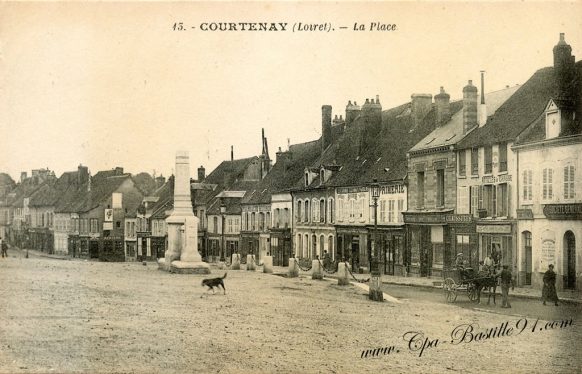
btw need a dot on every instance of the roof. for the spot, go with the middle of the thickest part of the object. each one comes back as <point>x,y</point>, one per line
<point>519,112</point>
<point>6,180</point>
<point>365,152</point>
<point>452,132</point>
<point>286,172</point>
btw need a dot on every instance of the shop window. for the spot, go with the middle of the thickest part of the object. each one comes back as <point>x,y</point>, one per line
<point>438,246</point>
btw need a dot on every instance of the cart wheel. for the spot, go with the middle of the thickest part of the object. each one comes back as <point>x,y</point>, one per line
<point>450,289</point>
<point>472,292</point>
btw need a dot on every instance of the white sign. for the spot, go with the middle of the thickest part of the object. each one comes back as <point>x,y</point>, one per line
<point>108,215</point>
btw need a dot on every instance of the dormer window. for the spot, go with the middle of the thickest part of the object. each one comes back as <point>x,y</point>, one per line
<point>553,117</point>
<point>306,179</point>
<point>322,176</point>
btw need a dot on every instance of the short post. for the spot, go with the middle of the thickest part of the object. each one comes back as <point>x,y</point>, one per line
<point>268,264</point>
<point>375,292</point>
<point>251,263</point>
<point>316,271</point>
<point>342,272</point>
<point>235,263</point>
<point>293,268</point>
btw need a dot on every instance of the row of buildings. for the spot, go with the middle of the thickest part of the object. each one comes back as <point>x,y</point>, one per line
<point>412,185</point>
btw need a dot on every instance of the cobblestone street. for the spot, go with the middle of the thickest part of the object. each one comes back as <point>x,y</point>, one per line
<point>78,316</point>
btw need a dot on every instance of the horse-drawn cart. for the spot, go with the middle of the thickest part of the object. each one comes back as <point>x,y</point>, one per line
<point>459,280</point>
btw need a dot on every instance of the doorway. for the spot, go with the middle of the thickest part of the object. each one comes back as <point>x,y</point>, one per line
<point>570,252</point>
<point>526,237</point>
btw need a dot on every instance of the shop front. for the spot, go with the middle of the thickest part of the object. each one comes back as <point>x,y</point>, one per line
<point>354,246</point>
<point>281,246</point>
<point>496,239</point>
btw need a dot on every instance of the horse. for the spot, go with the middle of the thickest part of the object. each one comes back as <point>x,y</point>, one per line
<point>487,280</point>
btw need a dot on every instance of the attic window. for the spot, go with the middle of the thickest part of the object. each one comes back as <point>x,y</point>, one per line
<point>430,141</point>
<point>451,137</point>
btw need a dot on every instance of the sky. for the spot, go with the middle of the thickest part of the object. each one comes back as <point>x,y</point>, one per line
<point>112,84</point>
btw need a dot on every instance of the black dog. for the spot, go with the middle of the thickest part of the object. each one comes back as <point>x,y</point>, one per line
<point>214,282</point>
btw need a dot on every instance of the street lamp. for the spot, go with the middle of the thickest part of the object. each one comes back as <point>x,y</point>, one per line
<point>222,215</point>
<point>375,292</point>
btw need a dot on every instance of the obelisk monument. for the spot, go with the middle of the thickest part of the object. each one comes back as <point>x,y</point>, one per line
<point>182,253</point>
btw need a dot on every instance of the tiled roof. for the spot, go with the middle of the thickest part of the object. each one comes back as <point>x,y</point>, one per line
<point>519,112</point>
<point>6,180</point>
<point>452,131</point>
<point>286,173</point>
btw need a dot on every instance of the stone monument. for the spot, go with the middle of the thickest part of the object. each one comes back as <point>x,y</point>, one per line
<point>182,253</point>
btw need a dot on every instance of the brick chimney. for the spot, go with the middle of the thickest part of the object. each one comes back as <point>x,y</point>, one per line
<point>482,106</point>
<point>82,174</point>
<point>564,70</point>
<point>421,104</point>
<point>325,127</point>
<point>469,107</point>
<point>201,173</point>
<point>443,107</point>
<point>352,111</point>
<point>118,171</point>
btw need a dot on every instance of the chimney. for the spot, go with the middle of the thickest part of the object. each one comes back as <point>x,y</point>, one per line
<point>469,107</point>
<point>443,106</point>
<point>23,176</point>
<point>160,181</point>
<point>201,173</point>
<point>325,127</point>
<point>482,106</point>
<point>352,111</point>
<point>118,171</point>
<point>288,143</point>
<point>82,174</point>
<point>564,72</point>
<point>421,104</point>
<point>232,153</point>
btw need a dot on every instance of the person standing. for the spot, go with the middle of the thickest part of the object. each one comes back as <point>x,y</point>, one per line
<point>2,247</point>
<point>549,289</point>
<point>506,281</point>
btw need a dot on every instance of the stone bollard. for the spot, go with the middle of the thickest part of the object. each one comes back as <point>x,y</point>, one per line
<point>235,263</point>
<point>268,264</point>
<point>316,271</point>
<point>293,268</point>
<point>343,274</point>
<point>375,292</point>
<point>251,266</point>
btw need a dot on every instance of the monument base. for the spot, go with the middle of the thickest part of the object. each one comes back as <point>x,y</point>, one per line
<point>181,267</point>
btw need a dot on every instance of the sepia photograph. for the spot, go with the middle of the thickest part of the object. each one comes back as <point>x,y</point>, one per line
<point>291,187</point>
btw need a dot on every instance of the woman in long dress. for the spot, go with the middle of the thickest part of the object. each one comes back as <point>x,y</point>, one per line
<point>549,289</point>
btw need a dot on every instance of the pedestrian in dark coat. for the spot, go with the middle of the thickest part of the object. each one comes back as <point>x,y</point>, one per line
<point>506,281</point>
<point>549,289</point>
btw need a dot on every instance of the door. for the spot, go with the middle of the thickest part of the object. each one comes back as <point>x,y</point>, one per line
<point>355,253</point>
<point>570,243</point>
<point>528,257</point>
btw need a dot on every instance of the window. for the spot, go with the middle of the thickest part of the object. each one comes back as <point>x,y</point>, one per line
<point>503,200</point>
<point>547,190</point>
<point>502,157</point>
<point>322,210</point>
<point>229,227</point>
<point>352,214</point>
<point>383,211</point>
<point>307,212</point>
<point>331,211</point>
<point>215,220</point>
<point>286,217</point>
<point>440,197</point>
<point>315,208</point>
<point>488,159</point>
<point>268,218</point>
<point>569,182</point>
<point>361,210</point>
<point>299,217</point>
<point>299,245</point>
<point>527,185</point>
<point>462,163</point>
<point>420,189</point>
<point>391,212</point>
<point>306,179</point>
<point>276,217</point>
<point>490,200</point>
<point>400,210</point>
<point>475,161</point>
<point>464,200</point>
<point>94,226</point>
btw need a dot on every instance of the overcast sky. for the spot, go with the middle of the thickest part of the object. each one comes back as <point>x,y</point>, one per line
<point>110,85</point>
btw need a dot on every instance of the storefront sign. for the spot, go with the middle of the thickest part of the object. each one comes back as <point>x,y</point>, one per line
<point>494,229</point>
<point>498,179</point>
<point>392,189</point>
<point>424,217</point>
<point>344,190</point>
<point>459,218</point>
<point>563,211</point>
<point>107,225</point>
<point>524,214</point>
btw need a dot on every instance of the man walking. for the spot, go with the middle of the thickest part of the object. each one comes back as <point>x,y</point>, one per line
<point>549,289</point>
<point>506,281</point>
